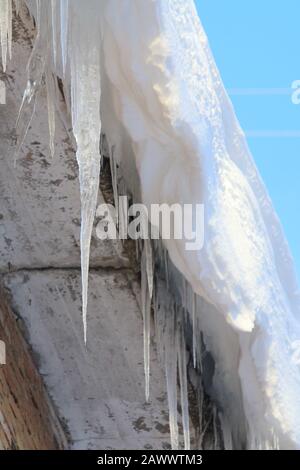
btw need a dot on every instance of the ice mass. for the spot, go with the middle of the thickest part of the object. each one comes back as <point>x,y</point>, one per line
<point>151,87</point>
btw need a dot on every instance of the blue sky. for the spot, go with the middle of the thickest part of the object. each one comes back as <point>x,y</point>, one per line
<point>256,46</point>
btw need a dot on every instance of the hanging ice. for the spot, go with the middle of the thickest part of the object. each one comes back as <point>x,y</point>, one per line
<point>181,351</point>
<point>146,310</point>
<point>35,74</point>
<point>171,374</point>
<point>5,29</point>
<point>189,148</point>
<point>54,29</point>
<point>18,5</point>
<point>194,328</point>
<point>51,98</point>
<point>64,25</point>
<point>162,85</point>
<point>84,55</point>
<point>147,291</point>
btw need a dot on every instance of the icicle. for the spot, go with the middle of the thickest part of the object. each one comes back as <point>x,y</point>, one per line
<point>215,428</point>
<point>155,311</point>
<point>171,375</point>
<point>114,179</point>
<point>85,96</point>
<point>51,98</point>
<point>184,295</point>
<point>149,265</point>
<point>18,6</point>
<point>5,29</point>
<point>165,253</point>
<point>146,309</point>
<point>170,338</point>
<point>275,440</point>
<point>202,429</point>
<point>9,28</point>
<point>64,19</point>
<point>123,217</point>
<point>147,291</point>
<point>226,432</point>
<point>35,72</point>
<point>159,318</point>
<point>137,251</point>
<point>51,83</point>
<point>54,29</point>
<point>181,351</point>
<point>194,306</point>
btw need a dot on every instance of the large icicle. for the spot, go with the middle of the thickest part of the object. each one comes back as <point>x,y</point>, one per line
<point>114,179</point>
<point>35,73</point>
<point>54,29</point>
<point>182,365</point>
<point>9,28</point>
<point>51,99</point>
<point>146,310</point>
<point>171,373</point>
<point>194,305</point>
<point>41,65</point>
<point>5,29</point>
<point>85,97</point>
<point>64,27</point>
<point>149,265</point>
<point>147,292</point>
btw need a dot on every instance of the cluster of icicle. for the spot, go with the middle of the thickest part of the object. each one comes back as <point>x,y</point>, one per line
<point>79,44</point>
<point>60,42</point>
<point>152,61</point>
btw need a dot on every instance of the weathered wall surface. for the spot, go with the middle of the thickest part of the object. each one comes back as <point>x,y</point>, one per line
<point>98,389</point>
<point>27,419</point>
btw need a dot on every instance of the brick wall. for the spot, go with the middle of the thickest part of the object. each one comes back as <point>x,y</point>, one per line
<point>27,418</point>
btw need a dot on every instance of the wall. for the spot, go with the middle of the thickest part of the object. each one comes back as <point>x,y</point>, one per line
<point>27,417</point>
